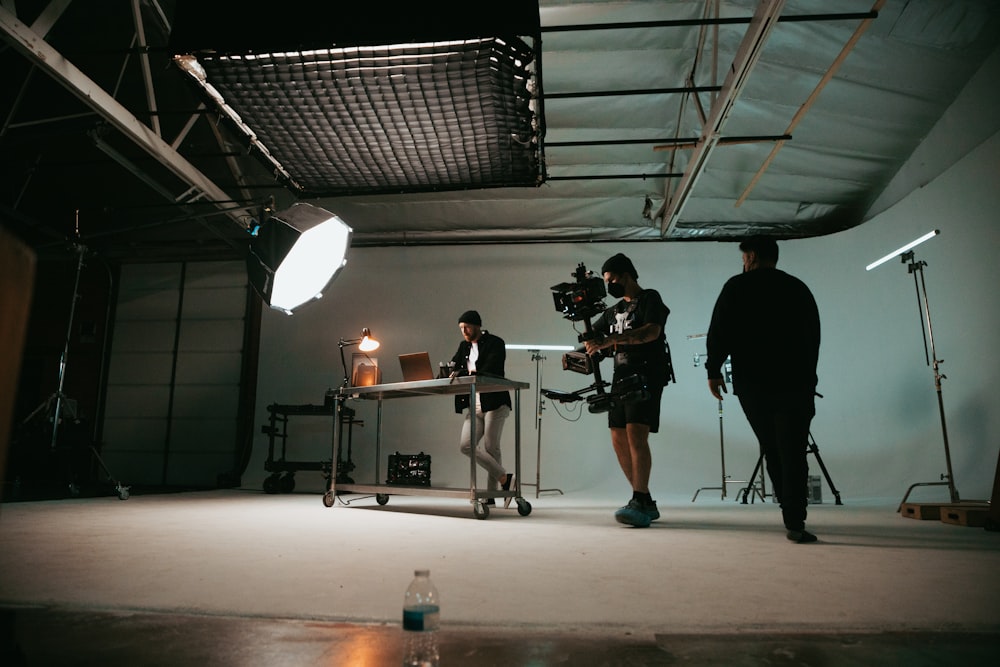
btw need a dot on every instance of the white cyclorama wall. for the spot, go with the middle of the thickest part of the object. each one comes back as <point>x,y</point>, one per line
<point>878,426</point>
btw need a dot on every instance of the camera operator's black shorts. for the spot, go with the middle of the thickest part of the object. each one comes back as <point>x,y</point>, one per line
<point>646,411</point>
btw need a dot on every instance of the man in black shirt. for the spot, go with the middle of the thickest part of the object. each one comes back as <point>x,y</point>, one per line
<point>633,330</point>
<point>767,322</point>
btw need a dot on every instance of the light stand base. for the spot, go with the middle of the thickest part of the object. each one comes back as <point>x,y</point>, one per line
<point>719,488</point>
<point>538,358</point>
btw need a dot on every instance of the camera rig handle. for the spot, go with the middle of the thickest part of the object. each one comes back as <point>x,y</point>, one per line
<point>595,359</point>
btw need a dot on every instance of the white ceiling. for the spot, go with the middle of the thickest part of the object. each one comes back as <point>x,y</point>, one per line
<point>854,112</point>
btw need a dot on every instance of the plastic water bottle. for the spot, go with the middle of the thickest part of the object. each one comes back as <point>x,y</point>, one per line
<point>421,617</point>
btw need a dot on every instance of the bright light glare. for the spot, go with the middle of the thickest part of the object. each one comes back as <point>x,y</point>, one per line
<point>515,346</point>
<point>308,268</point>
<point>900,251</point>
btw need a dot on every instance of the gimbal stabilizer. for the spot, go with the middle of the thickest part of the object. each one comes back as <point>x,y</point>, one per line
<point>580,301</point>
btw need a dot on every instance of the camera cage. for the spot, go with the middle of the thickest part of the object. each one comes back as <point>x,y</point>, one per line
<point>581,299</point>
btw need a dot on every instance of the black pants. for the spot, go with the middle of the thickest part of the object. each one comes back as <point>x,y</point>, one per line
<point>781,424</point>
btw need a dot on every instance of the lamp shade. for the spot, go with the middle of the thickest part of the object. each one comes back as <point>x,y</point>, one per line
<point>368,344</point>
<point>296,254</point>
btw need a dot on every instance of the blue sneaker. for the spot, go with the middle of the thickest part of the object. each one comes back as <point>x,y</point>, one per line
<point>633,514</point>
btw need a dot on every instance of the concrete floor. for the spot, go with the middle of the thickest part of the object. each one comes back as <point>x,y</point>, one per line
<point>243,579</point>
<point>41,636</point>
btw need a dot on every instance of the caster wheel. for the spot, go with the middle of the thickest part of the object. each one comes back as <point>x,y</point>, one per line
<point>271,484</point>
<point>287,483</point>
<point>523,507</point>
<point>481,510</point>
<point>381,498</point>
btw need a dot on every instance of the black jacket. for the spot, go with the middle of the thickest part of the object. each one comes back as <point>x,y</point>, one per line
<point>492,355</point>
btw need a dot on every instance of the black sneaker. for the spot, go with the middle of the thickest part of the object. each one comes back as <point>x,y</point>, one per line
<point>801,536</point>
<point>506,487</point>
<point>506,484</point>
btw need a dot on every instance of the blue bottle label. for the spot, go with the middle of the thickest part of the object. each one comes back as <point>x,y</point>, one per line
<point>421,618</point>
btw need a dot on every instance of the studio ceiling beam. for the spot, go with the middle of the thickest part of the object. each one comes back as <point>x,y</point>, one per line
<point>800,114</point>
<point>46,58</point>
<point>747,56</point>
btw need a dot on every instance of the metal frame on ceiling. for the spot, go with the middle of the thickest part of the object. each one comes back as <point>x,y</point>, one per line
<point>31,42</point>
<point>724,97</point>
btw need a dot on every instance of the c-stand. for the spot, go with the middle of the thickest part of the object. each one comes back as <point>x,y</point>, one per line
<point>540,395</point>
<point>58,406</point>
<point>727,376</point>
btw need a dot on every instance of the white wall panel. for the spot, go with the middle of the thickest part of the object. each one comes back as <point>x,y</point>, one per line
<point>877,427</point>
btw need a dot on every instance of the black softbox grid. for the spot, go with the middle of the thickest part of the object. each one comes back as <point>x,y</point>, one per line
<point>406,118</point>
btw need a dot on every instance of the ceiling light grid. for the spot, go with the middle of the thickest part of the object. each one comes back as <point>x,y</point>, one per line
<point>402,118</point>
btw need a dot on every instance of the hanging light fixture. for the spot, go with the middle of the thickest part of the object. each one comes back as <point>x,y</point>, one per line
<point>296,254</point>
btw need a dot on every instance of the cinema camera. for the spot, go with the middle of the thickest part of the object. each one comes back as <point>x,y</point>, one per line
<point>582,300</point>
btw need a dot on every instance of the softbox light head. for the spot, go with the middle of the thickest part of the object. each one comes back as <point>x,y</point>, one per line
<point>296,254</point>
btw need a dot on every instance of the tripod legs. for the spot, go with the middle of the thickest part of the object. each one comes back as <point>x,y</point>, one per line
<point>758,490</point>
<point>812,448</point>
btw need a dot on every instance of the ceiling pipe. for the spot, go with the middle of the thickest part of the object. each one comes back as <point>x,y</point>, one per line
<point>716,21</point>
<point>671,143</point>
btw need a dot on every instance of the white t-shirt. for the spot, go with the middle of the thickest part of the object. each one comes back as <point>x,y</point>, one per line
<point>473,357</point>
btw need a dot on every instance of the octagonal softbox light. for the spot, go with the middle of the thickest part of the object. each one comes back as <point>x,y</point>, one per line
<point>296,254</point>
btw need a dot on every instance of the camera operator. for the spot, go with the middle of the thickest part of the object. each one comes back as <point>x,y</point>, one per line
<point>632,331</point>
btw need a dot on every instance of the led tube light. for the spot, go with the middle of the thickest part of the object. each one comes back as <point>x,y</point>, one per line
<point>515,346</point>
<point>900,251</point>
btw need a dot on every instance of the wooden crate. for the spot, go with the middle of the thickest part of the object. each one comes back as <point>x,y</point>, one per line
<point>924,511</point>
<point>972,514</point>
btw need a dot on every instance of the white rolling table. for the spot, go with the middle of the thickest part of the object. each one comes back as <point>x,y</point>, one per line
<point>472,385</point>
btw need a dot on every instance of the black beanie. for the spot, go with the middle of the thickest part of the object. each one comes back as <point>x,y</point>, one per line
<point>620,264</point>
<point>471,317</point>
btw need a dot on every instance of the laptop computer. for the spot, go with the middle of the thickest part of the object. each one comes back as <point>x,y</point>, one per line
<point>416,366</point>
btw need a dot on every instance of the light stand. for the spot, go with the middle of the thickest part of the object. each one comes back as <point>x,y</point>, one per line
<point>81,250</point>
<point>727,376</point>
<point>59,397</point>
<point>915,267</point>
<point>538,358</point>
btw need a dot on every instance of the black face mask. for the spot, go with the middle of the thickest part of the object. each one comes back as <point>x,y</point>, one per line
<point>616,290</point>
